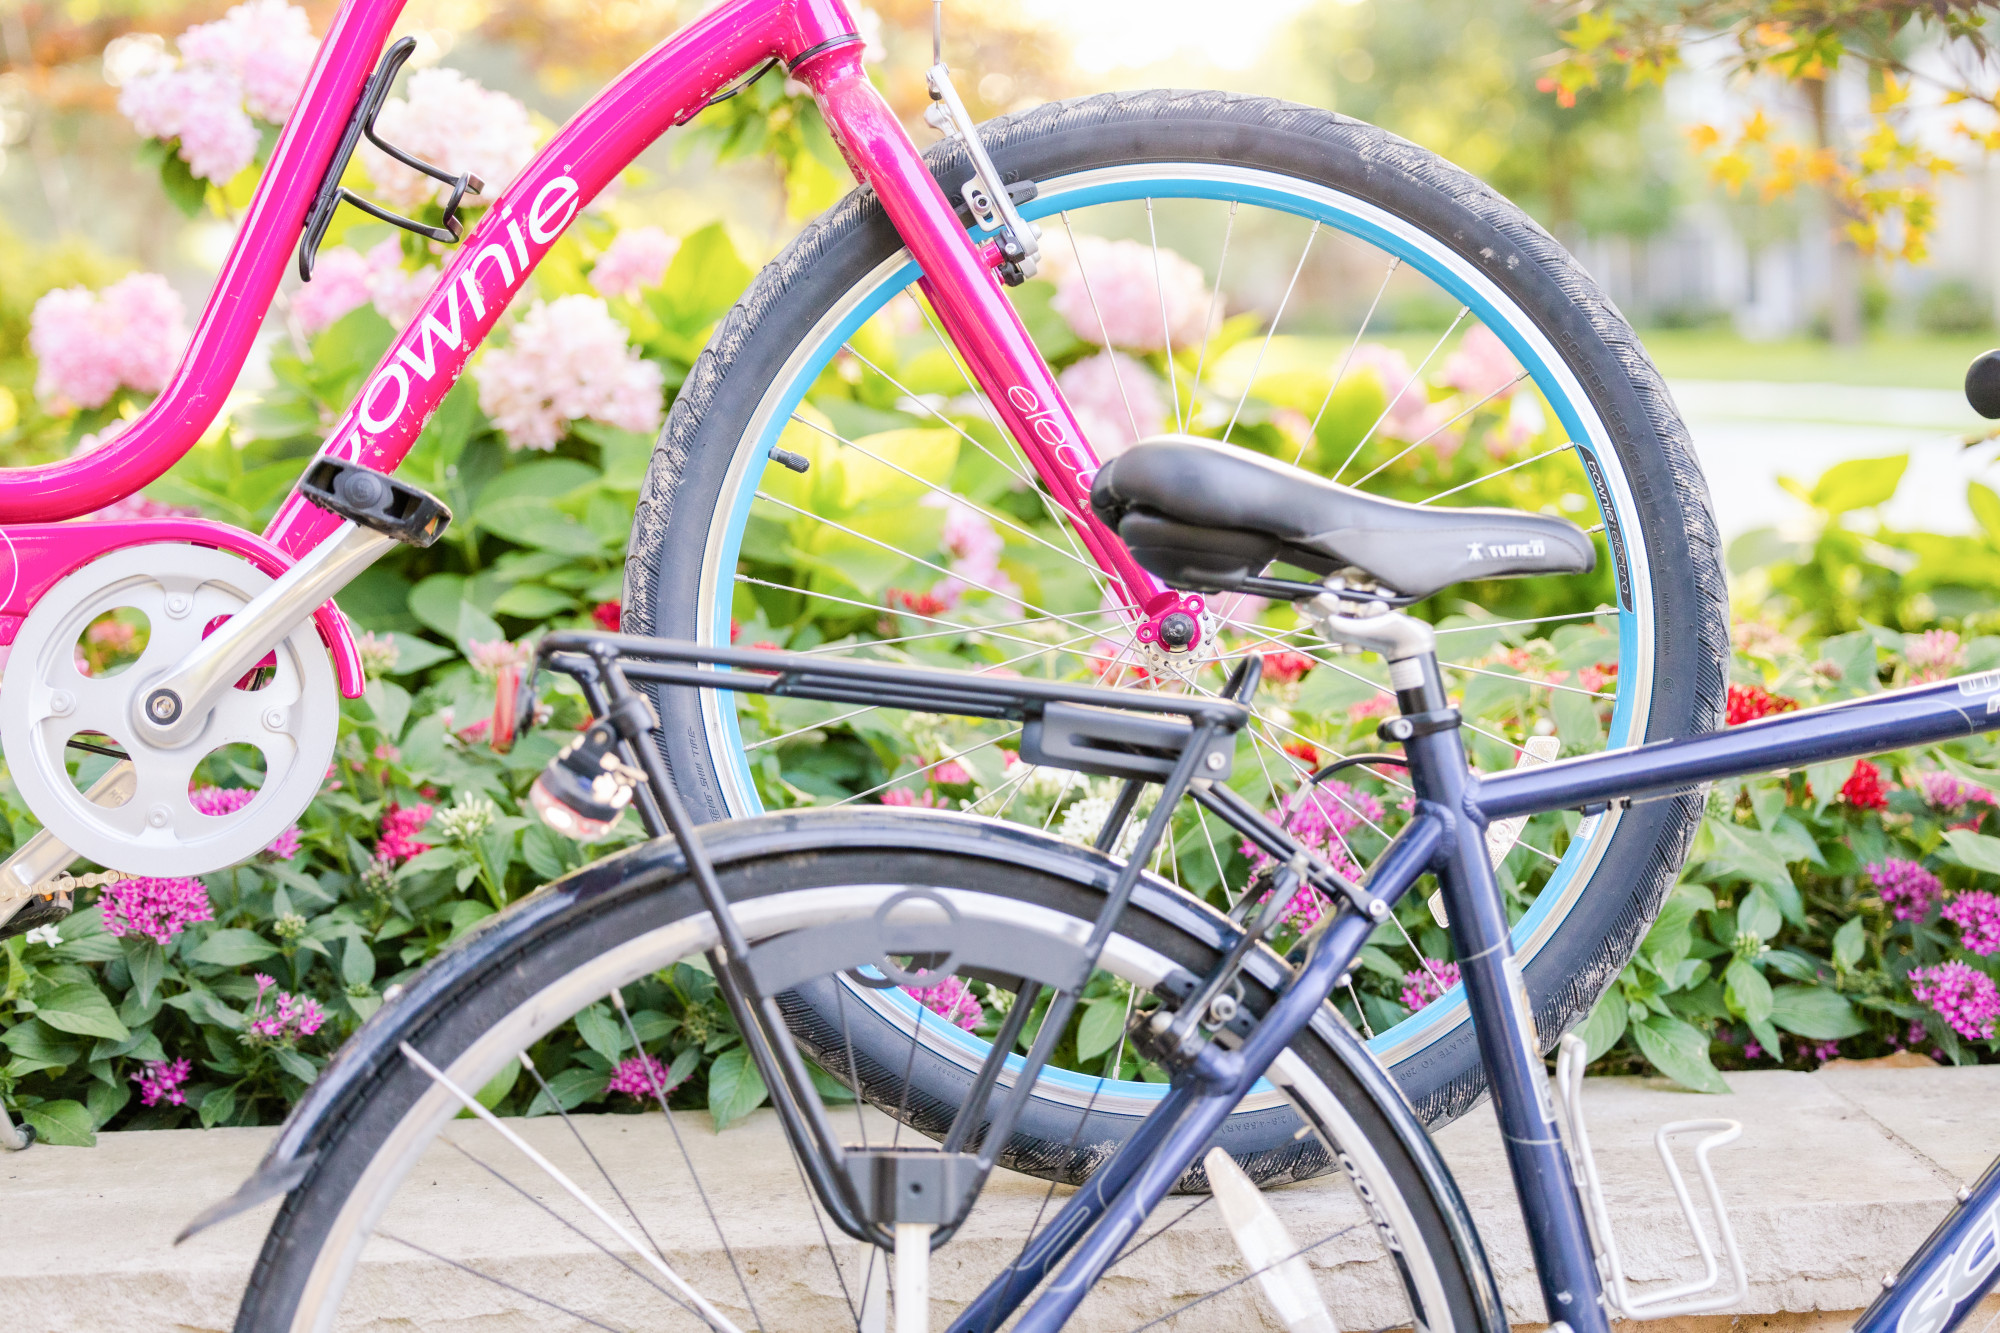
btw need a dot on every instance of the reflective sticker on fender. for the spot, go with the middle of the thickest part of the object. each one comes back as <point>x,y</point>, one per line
<point>1986,682</point>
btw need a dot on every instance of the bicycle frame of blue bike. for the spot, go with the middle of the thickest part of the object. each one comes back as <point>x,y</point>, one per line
<point>1943,1280</point>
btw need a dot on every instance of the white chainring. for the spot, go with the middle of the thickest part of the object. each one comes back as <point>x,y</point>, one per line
<point>45,699</point>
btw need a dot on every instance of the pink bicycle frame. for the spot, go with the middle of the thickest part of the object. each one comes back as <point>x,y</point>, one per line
<point>666,87</point>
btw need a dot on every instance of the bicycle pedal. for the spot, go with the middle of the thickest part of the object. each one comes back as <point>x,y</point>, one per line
<point>376,500</point>
<point>42,909</point>
<point>1697,1297</point>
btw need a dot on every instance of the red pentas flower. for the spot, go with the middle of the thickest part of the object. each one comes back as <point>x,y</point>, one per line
<point>1864,788</point>
<point>606,615</point>
<point>1284,668</point>
<point>1747,703</point>
<point>1304,751</point>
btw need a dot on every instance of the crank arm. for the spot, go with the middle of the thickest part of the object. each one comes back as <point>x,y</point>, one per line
<point>381,512</point>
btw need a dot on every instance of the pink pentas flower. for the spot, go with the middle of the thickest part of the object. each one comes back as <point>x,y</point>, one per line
<point>1428,982</point>
<point>397,841</point>
<point>1482,366</point>
<point>161,1080</point>
<point>568,359</point>
<point>950,773</point>
<point>1321,818</point>
<point>1947,791</point>
<point>450,120</point>
<point>1907,889</point>
<point>290,1016</point>
<point>1933,655</point>
<point>488,657</point>
<point>638,1076</point>
<point>1976,913</point>
<point>158,909</point>
<point>1116,400</point>
<point>1962,995</point>
<point>903,796</point>
<point>1125,294</point>
<point>952,999</point>
<point>218,801</point>
<point>89,345</point>
<point>635,260</point>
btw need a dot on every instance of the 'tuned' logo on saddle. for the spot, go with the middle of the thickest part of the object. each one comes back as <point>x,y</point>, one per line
<point>1503,550</point>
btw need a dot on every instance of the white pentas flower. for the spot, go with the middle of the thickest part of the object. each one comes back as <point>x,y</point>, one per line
<point>467,817</point>
<point>568,359</point>
<point>1125,294</point>
<point>451,122</point>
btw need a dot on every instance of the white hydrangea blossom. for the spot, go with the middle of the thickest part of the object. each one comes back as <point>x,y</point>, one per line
<point>568,359</point>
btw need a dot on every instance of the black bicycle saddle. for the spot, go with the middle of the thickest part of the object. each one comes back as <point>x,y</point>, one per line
<point>1205,516</point>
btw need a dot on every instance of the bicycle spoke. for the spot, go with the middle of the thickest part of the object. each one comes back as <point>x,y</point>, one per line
<point>1498,472</point>
<point>1117,377</point>
<point>1270,333</point>
<point>1352,348</point>
<point>1436,431</point>
<point>1416,377</point>
<point>496,1281</point>
<point>1302,1250</point>
<point>1214,300</point>
<point>1166,328</point>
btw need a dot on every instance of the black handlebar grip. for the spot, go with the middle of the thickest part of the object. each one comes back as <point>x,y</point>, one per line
<point>1982,385</point>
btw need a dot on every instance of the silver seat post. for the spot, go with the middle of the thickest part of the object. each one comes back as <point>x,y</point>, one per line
<point>1405,642</point>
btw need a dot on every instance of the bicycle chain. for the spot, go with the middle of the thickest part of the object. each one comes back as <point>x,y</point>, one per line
<point>65,883</point>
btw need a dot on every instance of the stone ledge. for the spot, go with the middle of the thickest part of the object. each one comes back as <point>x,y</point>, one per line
<point>1837,1176</point>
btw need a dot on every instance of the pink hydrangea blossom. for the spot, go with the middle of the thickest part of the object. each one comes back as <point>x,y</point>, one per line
<point>90,344</point>
<point>200,106</point>
<point>158,909</point>
<point>1963,996</point>
<point>635,260</point>
<point>1976,913</point>
<point>1117,401</point>
<point>397,841</point>
<point>1111,293</point>
<point>161,1080</point>
<point>974,546</point>
<point>953,999</point>
<point>1947,791</point>
<point>290,1016</point>
<point>451,121</point>
<point>638,1076</point>
<point>1409,415</point>
<point>1428,982</point>
<point>339,284</point>
<point>565,360</point>
<point>1908,890</point>
<point>1933,655</point>
<point>1321,818</point>
<point>216,801</point>
<point>266,45</point>
<point>1482,366</point>
<point>397,293</point>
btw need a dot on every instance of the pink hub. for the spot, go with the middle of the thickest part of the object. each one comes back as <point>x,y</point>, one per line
<point>1173,623</point>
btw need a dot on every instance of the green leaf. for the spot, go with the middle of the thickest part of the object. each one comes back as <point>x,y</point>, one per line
<point>390,705</point>
<point>1985,505</point>
<point>232,948</point>
<point>1606,1024</point>
<point>1576,721</point>
<point>572,1087</point>
<point>414,654</point>
<point>81,1008</point>
<point>295,1064</point>
<point>601,1032</point>
<point>67,1124</point>
<point>1680,1051</point>
<point>147,962</point>
<point>1746,853</point>
<point>532,601</point>
<point>1857,656</point>
<point>1849,942</point>
<point>735,1089</point>
<point>1859,483</point>
<point>217,1107</point>
<point>1747,990</point>
<point>185,190</point>
<point>1815,1012</point>
<point>1975,850</point>
<point>105,1100</point>
<point>1103,1021</point>
<point>357,962</point>
<point>33,1040</point>
<point>1759,915</point>
<point>499,1085</point>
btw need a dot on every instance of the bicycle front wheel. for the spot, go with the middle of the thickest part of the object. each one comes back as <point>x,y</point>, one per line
<point>1281,279</point>
<point>408,1214</point>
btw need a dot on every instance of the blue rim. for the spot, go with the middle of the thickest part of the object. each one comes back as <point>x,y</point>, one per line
<point>1449,1009</point>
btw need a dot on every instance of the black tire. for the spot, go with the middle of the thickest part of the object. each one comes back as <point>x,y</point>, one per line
<point>1571,967</point>
<point>575,925</point>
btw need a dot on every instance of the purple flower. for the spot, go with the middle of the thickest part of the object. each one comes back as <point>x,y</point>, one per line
<point>1977,915</point>
<point>214,801</point>
<point>290,1018</point>
<point>1908,890</point>
<point>953,999</point>
<point>1321,818</point>
<point>1428,982</point>
<point>1962,995</point>
<point>638,1076</point>
<point>159,909</point>
<point>160,1081</point>
<point>1948,792</point>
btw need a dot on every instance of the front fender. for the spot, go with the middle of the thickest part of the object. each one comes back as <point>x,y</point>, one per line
<point>38,555</point>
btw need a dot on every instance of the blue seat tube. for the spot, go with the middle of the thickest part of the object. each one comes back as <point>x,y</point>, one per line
<point>1508,1043</point>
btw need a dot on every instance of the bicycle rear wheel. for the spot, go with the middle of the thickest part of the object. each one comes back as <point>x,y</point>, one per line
<point>365,1240</point>
<point>920,535</point>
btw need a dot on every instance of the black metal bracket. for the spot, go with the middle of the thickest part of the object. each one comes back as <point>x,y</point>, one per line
<point>332,193</point>
<point>1412,725</point>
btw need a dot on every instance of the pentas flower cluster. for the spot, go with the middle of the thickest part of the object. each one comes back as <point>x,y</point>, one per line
<point>1976,913</point>
<point>452,122</point>
<point>1963,996</point>
<point>218,801</point>
<point>953,999</point>
<point>397,842</point>
<point>157,909</point>
<point>1427,983</point>
<point>1747,703</point>
<point>1947,791</point>
<point>568,359</point>
<point>161,1080</point>
<point>1283,668</point>
<point>635,260</point>
<point>1864,788</point>
<point>1933,655</point>
<point>251,62</point>
<point>1321,818</point>
<point>1907,889</point>
<point>91,344</point>
<point>290,1016</point>
<point>638,1076</point>
<point>1125,294</point>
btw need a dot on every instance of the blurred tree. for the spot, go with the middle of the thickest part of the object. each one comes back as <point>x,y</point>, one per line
<point>1597,164</point>
<point>1870,164</point>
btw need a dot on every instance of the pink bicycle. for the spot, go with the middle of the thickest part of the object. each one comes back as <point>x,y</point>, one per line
<point>1308,287</point>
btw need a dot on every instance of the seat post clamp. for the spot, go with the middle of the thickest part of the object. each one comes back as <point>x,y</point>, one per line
<point>1412,725</point>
